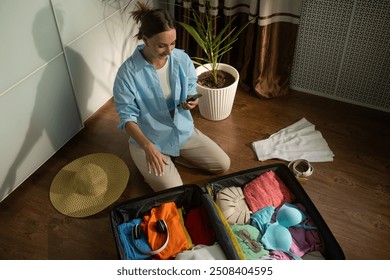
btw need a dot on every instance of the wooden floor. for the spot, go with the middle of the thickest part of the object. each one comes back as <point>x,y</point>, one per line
<point>352,193</point>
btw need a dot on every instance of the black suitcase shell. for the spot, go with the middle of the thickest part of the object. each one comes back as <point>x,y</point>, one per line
<point>187,196</point>
<point>191,196</point>
<point>332,249</point>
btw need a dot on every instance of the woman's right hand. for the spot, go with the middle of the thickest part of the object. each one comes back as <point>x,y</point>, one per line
<point>155,159</point>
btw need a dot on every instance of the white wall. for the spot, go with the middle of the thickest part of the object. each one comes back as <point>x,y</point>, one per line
<point>58,62</point>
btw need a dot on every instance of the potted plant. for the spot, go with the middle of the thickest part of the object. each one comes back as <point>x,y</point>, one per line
<point>216,81</point>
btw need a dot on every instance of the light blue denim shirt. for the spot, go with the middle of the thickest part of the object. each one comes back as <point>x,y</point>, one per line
<point>139,98</point>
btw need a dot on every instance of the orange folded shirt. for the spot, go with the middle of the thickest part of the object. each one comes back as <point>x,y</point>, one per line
<point>177,238</point>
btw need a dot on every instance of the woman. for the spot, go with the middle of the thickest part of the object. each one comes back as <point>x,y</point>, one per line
<point>150,92</point>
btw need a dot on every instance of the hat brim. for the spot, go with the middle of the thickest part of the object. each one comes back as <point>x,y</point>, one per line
<point>73,204</point>
<point>232,203</point>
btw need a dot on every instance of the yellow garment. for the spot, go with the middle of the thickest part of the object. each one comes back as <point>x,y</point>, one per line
<point>190,244</point>
<point>229,230</point>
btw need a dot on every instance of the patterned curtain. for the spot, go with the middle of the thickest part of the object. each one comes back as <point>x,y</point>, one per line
<point>264,53</point>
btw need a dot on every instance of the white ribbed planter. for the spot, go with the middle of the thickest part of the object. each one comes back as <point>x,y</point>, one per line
<point>217,104</point>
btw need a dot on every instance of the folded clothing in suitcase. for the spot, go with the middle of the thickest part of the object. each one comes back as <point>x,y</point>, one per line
<point>237,234</point>
<point>191,220</point>
<point>288,223</point>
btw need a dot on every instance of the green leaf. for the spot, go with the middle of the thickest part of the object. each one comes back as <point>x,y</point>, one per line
<point>214,47</point>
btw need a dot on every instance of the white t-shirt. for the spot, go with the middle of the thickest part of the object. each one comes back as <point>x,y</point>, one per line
<point>164,80</point>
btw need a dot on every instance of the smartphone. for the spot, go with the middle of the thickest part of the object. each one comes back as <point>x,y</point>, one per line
<point>191,98</point>
<point>194,97</point>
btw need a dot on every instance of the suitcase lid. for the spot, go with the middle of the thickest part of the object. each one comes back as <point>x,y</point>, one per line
<point>332,249</point>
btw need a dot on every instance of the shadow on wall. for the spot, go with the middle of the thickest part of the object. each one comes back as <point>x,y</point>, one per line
<point>126,27</point>
<point>54,111</point>
<point>82,79</point>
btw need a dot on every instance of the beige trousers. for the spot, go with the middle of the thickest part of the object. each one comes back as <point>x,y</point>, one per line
<point>198,152</point>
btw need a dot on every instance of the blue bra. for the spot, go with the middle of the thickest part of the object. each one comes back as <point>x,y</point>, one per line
<point>276,236</point>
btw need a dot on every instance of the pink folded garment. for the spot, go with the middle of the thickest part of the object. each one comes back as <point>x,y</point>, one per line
<point>267,190</point>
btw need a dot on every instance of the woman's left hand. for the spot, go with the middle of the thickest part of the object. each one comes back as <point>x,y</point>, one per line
<point>190,104</point>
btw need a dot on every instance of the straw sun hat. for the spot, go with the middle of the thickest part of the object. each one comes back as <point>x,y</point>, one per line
<point>89,184</point>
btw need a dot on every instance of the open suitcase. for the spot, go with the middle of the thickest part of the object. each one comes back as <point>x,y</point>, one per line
<point>189,197</point>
